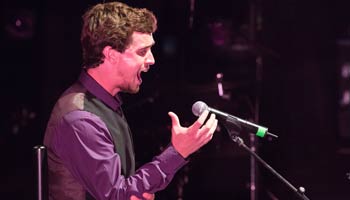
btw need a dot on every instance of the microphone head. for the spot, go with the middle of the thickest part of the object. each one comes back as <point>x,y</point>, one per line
<point>199,107</point>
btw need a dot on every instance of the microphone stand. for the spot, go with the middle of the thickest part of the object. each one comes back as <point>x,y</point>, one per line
<point>300,192</point>
<point>255,26</point>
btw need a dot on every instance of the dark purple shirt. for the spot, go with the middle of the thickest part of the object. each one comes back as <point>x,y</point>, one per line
<point>82,143</point>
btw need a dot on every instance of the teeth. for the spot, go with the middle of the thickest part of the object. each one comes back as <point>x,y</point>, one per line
<point>139,77</point>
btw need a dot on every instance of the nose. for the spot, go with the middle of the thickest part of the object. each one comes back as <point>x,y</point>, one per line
<point>150,58</point>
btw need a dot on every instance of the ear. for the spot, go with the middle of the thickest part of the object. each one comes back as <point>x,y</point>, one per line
<point>110,54</point>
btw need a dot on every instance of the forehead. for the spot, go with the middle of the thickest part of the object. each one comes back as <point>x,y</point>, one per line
<point>141,40</point>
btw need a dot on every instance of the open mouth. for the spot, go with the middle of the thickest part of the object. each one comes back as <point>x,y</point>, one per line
<point>139,77</point>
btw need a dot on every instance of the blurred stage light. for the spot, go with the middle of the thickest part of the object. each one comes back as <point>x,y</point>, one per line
<point>343,99</point>
<point>345,70</point>
<point>19,24</point>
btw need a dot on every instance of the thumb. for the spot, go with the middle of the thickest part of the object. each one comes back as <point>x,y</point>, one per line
<point>174,119</point>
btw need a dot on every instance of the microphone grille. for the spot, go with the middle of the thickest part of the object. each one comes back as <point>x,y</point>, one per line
<point>199,107</point>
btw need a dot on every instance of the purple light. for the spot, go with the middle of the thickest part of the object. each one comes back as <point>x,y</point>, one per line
<point>345,70</point>
<point>18,23</point>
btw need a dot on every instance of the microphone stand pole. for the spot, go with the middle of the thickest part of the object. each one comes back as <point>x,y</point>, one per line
<point>299,192</point>
<point>255,25</point>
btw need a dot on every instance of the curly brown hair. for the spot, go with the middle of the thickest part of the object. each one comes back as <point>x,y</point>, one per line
<point>112,24</point>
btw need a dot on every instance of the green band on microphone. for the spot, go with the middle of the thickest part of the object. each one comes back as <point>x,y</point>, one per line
<point>261,131</point>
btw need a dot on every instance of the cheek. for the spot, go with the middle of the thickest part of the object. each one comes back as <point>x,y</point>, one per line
<point>131,69</point>
<point>133,61</point>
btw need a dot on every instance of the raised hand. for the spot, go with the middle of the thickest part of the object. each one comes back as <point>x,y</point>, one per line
<point>187,140</point>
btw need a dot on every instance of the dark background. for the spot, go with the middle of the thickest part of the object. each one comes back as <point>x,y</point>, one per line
<point>297,90</point>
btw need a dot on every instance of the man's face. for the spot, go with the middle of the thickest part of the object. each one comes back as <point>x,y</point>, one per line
<point>137,58</point>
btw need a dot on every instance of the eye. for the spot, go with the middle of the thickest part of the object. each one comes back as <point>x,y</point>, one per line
<point>142,52</point>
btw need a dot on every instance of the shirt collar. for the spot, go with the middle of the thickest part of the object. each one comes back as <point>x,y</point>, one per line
<point>97,90</point>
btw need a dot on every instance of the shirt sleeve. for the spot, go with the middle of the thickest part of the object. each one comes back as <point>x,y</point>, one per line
<point>85,146</point>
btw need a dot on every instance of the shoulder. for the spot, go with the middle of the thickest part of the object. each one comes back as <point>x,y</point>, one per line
<point>81,127</point>
<point>78,119</point>
<point>78,116</point>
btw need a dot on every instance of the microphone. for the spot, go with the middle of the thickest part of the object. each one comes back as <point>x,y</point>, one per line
<point>199,107</point>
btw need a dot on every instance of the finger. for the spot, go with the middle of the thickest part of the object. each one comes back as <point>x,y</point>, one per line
<point>148,196</point>
<point>174,119</point>
<point>209,132</point>
<point>204,130</point>
<point>200,121</point>
<point>134,198</point>
<point>210,121</point>
<point>213,128</point>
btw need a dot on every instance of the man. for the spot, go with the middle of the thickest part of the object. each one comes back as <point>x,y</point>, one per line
<point>90,152</point>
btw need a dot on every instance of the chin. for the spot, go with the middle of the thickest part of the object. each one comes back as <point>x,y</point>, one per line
<point>133,90</point>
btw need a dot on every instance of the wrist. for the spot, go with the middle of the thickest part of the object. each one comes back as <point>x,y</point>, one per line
<point>184,155</point>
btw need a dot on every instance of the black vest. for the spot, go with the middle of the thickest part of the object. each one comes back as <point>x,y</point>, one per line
<point>79,98</point>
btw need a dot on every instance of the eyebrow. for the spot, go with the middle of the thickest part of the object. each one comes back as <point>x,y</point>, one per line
<point>151,45</point>
<point>146,47</point>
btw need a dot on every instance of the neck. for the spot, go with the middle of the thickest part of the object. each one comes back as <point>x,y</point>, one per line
<point>103,80</point>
